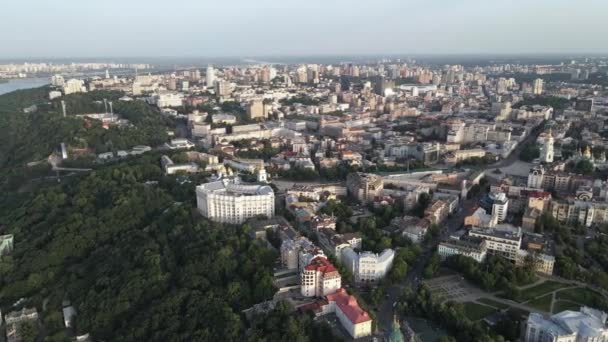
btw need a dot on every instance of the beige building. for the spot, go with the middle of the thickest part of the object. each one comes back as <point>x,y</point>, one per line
<point>543,263</point>
<point>460,155</point>
<point>255,109</point>
<point>437,212</point>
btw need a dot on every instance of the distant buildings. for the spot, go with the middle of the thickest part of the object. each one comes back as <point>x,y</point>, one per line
<point>537,88</point>
<point>586,325</point>
<point>546,154</point>
<point>74,86</point>
<point>210,76</point>
<point>229,201</point>
<point>256,110</point>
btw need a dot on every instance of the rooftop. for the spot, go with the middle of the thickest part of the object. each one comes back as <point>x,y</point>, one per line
<point>349,306</point>
<point>321,264</point>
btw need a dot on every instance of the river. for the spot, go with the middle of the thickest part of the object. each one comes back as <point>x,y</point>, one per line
<point>22,83</point>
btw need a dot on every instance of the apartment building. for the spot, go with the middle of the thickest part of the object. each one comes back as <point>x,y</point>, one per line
<point>320,278</point>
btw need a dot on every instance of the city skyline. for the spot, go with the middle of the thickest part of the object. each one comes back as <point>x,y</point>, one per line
<point>295,28</point>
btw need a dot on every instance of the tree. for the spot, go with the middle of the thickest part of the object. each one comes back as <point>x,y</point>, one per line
<point>584,167</point>
<point>529,152</point>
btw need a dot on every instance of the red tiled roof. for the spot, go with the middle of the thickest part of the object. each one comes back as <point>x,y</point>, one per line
<point>321,264</point>
<point>349,306</point>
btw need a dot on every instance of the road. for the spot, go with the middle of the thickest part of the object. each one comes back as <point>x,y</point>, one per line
<point>452,224</point>
<point>414,276</point>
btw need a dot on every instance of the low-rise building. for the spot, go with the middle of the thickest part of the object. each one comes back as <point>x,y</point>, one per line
<point>437,212</point>
<point>475,248</point>
<point>355,320</point>
<point>586,325</point>
<point>543,263</point>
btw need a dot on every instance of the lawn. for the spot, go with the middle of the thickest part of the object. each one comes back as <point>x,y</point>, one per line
<point>582,296</point>
<point>561,305</point>
<point>493,303</point>
<point>476,311</point>
<point>543,303</point>
<point>540,289</point>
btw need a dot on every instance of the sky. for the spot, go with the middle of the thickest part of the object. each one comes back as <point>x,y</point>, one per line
<point>207,28</point>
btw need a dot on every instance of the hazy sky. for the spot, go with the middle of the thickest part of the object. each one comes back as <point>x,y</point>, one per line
<point>92,28</point>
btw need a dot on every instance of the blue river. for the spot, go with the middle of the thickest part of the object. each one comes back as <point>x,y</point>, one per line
<point>22,83</point>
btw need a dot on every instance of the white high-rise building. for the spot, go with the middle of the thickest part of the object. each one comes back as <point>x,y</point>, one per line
<point>229,201</point>
<point>547,150</point>
<point>537,88</point>
<point>500,205</point>
<point>210,76</point>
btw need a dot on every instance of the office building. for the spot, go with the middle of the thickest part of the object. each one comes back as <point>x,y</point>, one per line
<point>229,201</point>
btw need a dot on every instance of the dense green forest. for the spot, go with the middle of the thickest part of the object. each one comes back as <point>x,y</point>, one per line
<point>28,137</point>
<point>137,265</point>
<point>123,243</point>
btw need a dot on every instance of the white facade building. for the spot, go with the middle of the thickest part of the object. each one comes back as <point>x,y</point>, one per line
<point>546,154</point>
<point>231,202</point>
<point>500,205</point>
<point>587,325</point>
<point>367,266</point>
<point>472,248</point>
